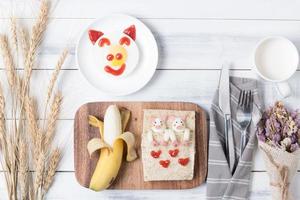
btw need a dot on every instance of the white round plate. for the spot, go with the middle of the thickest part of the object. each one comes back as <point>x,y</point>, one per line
<point>138,77</point>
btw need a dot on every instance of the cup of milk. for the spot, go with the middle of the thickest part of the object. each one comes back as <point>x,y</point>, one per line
<point>276,60</point>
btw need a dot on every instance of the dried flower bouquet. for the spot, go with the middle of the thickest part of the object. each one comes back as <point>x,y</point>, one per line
<point>28,157</point>
<point>278,133</point>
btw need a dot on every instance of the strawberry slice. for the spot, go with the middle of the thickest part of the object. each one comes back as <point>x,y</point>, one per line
<point>173,153</point>
<point>164,163</point>
<point>130,31</point>
<point>155,154</point>
<point>183,161</point>
<point>124,40</point>
<point>94,35</point>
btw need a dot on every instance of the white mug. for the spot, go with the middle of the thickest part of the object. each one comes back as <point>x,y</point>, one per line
<point>276,60</point>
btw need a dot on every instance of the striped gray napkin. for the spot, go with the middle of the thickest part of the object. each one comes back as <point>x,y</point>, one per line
<point>221,183</point>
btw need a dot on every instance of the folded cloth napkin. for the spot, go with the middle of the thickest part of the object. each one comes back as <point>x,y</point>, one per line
<point>221,183</point>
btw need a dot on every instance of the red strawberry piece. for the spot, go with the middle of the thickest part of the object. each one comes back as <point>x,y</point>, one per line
<point>183,161</point>
<point>174,152</point>
<point>155,154</point>
<point>94,35</point>
<point>164,163</point>
<point>130,31</point>
<point>124,40</point>
<point>104,41</point>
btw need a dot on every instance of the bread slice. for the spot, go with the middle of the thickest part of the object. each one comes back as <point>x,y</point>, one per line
<point>168,153</point>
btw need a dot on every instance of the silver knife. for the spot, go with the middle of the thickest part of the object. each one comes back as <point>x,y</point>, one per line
<point>224,103</point>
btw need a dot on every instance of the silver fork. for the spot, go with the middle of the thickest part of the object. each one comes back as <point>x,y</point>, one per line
<point>244,116</point>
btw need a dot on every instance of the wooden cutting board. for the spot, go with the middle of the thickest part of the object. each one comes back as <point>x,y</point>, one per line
<point>131,173</point>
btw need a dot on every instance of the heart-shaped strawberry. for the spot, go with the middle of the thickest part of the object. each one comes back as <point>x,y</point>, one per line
<point>174,152</point>
<point>183,161</point>
<point>155,154</point>
<point>164,163</point>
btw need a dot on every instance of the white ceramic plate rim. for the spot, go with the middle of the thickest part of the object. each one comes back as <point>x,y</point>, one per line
<point>154,56</point>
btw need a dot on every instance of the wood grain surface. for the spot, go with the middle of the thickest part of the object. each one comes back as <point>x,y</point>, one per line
<point>131,173</point>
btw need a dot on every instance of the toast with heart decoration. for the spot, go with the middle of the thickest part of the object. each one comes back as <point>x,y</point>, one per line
<point>168,145</point>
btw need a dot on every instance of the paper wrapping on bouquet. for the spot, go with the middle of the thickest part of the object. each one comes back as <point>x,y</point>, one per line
<point>281,167</point>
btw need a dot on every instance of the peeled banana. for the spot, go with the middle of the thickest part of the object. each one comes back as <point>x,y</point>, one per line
<point>111,145</point>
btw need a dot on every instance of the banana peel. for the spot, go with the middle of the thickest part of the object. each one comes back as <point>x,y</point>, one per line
<point>111,144</point>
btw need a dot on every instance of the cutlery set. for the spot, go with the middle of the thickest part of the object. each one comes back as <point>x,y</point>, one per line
<point>231,145</point>
<point>243,117</point>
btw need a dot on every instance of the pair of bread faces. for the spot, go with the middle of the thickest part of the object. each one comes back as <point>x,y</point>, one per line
<point>168,145</point>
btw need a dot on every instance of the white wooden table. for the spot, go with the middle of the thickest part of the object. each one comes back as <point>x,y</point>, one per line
<point>194,38</point>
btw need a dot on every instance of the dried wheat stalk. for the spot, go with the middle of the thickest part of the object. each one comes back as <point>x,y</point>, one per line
<point>55,74</point>
<point>13,30</point>
<point>32,119</point>
<point>24,144</point>
<point>39,174</point>
<point>23,169</point>
<point>24,42</point>
<point>35,40</point>
<point>3,136</point>
<point>52,118</point>
<point>2,116</point>
<point>52,166</point>
<point>37,147</point>
<point>8,61</point>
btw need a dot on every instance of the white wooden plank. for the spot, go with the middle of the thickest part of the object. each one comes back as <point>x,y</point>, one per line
<point>196,86</point>
<point>66,187</point>
<point>230,9</point>
<point>183,44</point>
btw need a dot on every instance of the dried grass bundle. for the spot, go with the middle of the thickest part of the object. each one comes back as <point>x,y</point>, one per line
<point>28,144</point>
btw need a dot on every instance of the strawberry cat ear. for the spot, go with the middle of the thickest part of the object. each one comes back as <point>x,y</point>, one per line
<point>171,117</point>
<point>164,117</point>
<point>184,117</point>
<point>152,118</point>
<point>94,35</point>
<point>130,31</point>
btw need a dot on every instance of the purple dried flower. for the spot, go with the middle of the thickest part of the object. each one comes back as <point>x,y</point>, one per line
<point>285,130</point>
<point>294,138</point>
<point>280,128</point>
<point>294,147</point>
<point>261,138</point>
<point>297,121</point>
<point>276,138</point>
<point>294,114</point>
